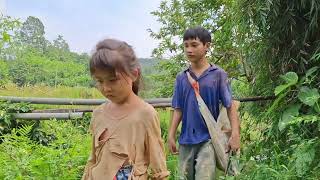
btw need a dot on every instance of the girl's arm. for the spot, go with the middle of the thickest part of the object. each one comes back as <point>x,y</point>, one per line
<point>92,158</point>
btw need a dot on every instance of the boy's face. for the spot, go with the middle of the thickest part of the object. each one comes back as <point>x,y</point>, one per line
<point>195,49</point>
<point>114,86</point>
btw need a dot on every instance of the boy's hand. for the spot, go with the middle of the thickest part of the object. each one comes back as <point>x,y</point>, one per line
<point>172,146</point>
<point>234,142</point>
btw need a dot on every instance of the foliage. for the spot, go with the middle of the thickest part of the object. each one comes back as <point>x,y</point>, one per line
<point>32,33</point>
<point>63,158</point>
<point>175,16</point>
<point>7,122</point>
<point>284,41</point>
<point>8,27</point>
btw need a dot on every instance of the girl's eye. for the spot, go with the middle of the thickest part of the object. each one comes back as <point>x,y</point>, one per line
<point>112,80</point>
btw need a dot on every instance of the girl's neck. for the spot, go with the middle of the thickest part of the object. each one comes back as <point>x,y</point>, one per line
<point>130,101</point>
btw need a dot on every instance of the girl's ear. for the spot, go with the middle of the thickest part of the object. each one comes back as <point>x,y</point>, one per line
<point>136,74</point>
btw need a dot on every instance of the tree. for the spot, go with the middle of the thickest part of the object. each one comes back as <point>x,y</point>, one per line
<point>32,33</point>
<point>175,16</point>
<point>8,31</point>
<point>61,44</point>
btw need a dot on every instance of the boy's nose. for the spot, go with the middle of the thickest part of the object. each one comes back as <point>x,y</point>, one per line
<point>189,51</point>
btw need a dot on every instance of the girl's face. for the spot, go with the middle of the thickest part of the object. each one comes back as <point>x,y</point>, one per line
<point>114,86</point>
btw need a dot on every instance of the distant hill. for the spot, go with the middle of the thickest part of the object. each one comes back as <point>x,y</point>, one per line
<point>148,65</point>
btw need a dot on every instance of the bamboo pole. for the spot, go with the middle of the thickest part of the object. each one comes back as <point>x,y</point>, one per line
<point>158,105</point>
<point>48,116</point>
<point>69,101</point>
<point>78,113</point>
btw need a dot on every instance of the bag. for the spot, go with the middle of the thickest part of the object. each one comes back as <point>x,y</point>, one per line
<point>219,131</point>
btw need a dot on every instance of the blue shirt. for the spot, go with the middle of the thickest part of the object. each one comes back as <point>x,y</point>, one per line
<point>214,88</point>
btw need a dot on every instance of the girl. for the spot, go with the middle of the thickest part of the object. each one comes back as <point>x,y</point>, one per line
<point>126,131</point>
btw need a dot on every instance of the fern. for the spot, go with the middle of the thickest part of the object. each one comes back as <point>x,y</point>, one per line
<point>25,130</point>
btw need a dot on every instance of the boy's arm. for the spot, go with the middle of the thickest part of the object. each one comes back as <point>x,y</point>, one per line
<point>176,119</point>
<point>234,142</point>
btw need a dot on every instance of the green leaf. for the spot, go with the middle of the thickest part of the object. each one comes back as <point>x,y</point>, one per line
<point>291,78</point>
<point>288,115</point>
<point>304,155</point>
<point>280,88</point>
<point>5,36</point>
<point>311,71</point>
<point>308,96</point>
<point>317,108</point>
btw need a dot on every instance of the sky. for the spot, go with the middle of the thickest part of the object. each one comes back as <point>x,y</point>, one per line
<point>83,23</point>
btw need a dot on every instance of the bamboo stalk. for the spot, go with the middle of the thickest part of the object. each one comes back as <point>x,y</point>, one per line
<point>47,116</point>
<point>157,105</point>
<point>69,101</point>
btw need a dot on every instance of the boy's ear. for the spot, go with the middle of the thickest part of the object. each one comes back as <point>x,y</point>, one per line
<point>207,45</point>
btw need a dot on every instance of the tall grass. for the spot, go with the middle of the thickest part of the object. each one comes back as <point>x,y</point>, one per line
<point>47,91</point>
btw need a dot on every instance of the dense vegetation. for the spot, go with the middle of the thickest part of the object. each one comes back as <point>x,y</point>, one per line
<point>268,48</point>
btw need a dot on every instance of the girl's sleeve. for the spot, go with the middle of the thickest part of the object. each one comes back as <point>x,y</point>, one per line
<point>155,149</point>
<point>92,157</point>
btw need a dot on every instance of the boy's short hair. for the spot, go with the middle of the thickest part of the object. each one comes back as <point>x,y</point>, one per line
<point>197,32</point>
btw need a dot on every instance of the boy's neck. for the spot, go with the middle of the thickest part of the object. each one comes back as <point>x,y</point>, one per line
<point>200,66</point>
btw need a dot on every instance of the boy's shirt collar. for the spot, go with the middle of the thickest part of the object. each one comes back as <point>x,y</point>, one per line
<point>211,68</point>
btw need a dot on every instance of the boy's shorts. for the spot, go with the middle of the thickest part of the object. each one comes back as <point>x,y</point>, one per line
<point>197,162</point>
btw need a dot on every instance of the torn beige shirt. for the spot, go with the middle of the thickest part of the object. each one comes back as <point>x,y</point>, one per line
<point>135,138</point>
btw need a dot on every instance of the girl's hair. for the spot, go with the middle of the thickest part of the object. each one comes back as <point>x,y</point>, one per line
<point>114,55</point>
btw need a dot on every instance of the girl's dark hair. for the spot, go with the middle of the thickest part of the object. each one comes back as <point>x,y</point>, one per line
<point>197,32</point>
<point>114,55</point>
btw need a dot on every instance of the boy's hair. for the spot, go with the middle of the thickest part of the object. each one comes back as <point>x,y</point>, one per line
<point>114,55</point>
<point>197,32</point>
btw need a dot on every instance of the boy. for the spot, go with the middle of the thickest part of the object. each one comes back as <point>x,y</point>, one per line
<point>196,153</point>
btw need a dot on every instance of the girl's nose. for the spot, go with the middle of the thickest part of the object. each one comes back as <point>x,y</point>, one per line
<point>106,88</point>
